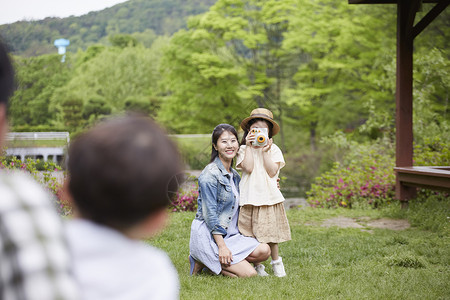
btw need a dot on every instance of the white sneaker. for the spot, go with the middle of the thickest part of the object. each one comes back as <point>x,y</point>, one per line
<point>260,270</point>
<point>278,268</point>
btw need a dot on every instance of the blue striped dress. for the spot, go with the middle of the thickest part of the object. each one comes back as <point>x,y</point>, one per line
<point>204,249</point>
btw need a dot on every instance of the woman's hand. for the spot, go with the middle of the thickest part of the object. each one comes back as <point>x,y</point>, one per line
<point>225,255</point>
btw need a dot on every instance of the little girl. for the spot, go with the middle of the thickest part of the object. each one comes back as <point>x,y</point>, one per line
<point>262,213</point>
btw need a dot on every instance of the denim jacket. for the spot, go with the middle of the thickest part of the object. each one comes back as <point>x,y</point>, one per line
<point>215,198</point>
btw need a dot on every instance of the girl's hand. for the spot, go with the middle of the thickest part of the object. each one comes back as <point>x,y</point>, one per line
<point>225,256</point>
<point>250,139</point>
<point>268,146</point>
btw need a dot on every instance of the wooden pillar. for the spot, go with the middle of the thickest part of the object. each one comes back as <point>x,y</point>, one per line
<point>404,99</point>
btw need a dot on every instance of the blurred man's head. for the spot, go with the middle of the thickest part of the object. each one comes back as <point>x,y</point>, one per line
<point>120,171</point>
<point>6,88</point>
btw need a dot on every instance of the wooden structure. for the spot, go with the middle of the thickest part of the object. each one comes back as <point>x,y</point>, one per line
<point>409,177</point>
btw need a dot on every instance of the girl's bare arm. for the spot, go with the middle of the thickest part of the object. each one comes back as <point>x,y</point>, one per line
<point>270,166</point>
<point>248,163</point>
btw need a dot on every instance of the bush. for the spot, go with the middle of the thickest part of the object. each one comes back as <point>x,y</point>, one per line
<point>365,179</point>
<point>43,172</point>
<point>364,175</point>
<point>186,197</point>
<point>433,152</point>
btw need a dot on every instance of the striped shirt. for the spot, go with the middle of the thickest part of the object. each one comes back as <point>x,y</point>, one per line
<point>34,259</point>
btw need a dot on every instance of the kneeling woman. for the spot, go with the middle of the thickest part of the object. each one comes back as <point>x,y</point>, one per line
<point>216,242</point>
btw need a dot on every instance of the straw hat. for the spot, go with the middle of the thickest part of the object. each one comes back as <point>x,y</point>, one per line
<point>261,113</point>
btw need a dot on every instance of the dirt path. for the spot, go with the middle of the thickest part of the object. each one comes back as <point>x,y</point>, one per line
<point>365,223</point>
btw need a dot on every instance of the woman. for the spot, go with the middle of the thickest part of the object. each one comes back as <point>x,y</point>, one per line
<point>215,239</point>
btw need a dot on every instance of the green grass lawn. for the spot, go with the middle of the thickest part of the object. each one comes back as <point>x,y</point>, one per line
<point>335,263</point>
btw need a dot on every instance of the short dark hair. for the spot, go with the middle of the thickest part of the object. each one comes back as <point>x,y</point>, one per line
<point>250,123</point>
<point>6,75</point>
<point>217,132</point>
<point>122,170</point>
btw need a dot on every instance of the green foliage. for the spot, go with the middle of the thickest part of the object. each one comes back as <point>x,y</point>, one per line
<point>195,151</point>
<point>186,197</point>
<point>134,17</point>
<point>201,86</point>
<point>322,67</point>
<point>229,61</point>
<point>44,173</point>
<point>300,170</point>
<point>433,152</point>
<point>363,174</point>
<point>365,180</point>
<point>72,112</point>
<point>431,105</point>
<point>145,105</point>
<point>38,128</point>
<point>96,108</point>
<point>331,86</point>
<point>107,81</point>
<point>37,79</point>
<point>123,40</point>
<point>433,36</point>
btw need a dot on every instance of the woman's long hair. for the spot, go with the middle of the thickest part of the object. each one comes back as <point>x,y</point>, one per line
<point>217,132</point>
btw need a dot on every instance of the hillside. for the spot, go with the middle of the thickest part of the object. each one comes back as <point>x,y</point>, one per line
<point>144,19</point>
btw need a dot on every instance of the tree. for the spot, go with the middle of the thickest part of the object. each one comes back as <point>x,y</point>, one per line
<point>95,108</point>
<point>106,77</point>
<point>339,45</point>
<point>202,86</point>
<point>72,109</point>
<point>123,40</point>
<point>237,47</point>
<point>37,78</point>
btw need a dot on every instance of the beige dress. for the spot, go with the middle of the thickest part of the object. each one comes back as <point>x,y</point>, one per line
<point>262,214</point>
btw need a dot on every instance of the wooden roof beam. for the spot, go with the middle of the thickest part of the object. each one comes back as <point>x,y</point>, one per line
<point>414,6</point>
<point>429,17</point>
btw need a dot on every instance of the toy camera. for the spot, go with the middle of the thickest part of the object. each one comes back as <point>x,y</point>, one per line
<point>261,136</point>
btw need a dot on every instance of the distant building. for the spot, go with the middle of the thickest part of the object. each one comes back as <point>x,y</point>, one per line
<point>61,44</point>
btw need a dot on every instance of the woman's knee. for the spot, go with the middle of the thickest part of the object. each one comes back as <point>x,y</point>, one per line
<point>264,251</point>
<point>241,269</point>
<point>249,273</point>
<point>261,253</point>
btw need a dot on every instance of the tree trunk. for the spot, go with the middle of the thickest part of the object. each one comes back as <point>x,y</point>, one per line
<point>312,136</point>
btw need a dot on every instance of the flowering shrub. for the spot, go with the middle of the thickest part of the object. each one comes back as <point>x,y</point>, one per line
<point>46,177</point>
<point>186,198</point>
<point>366,179</point>
<point>365,176</point>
